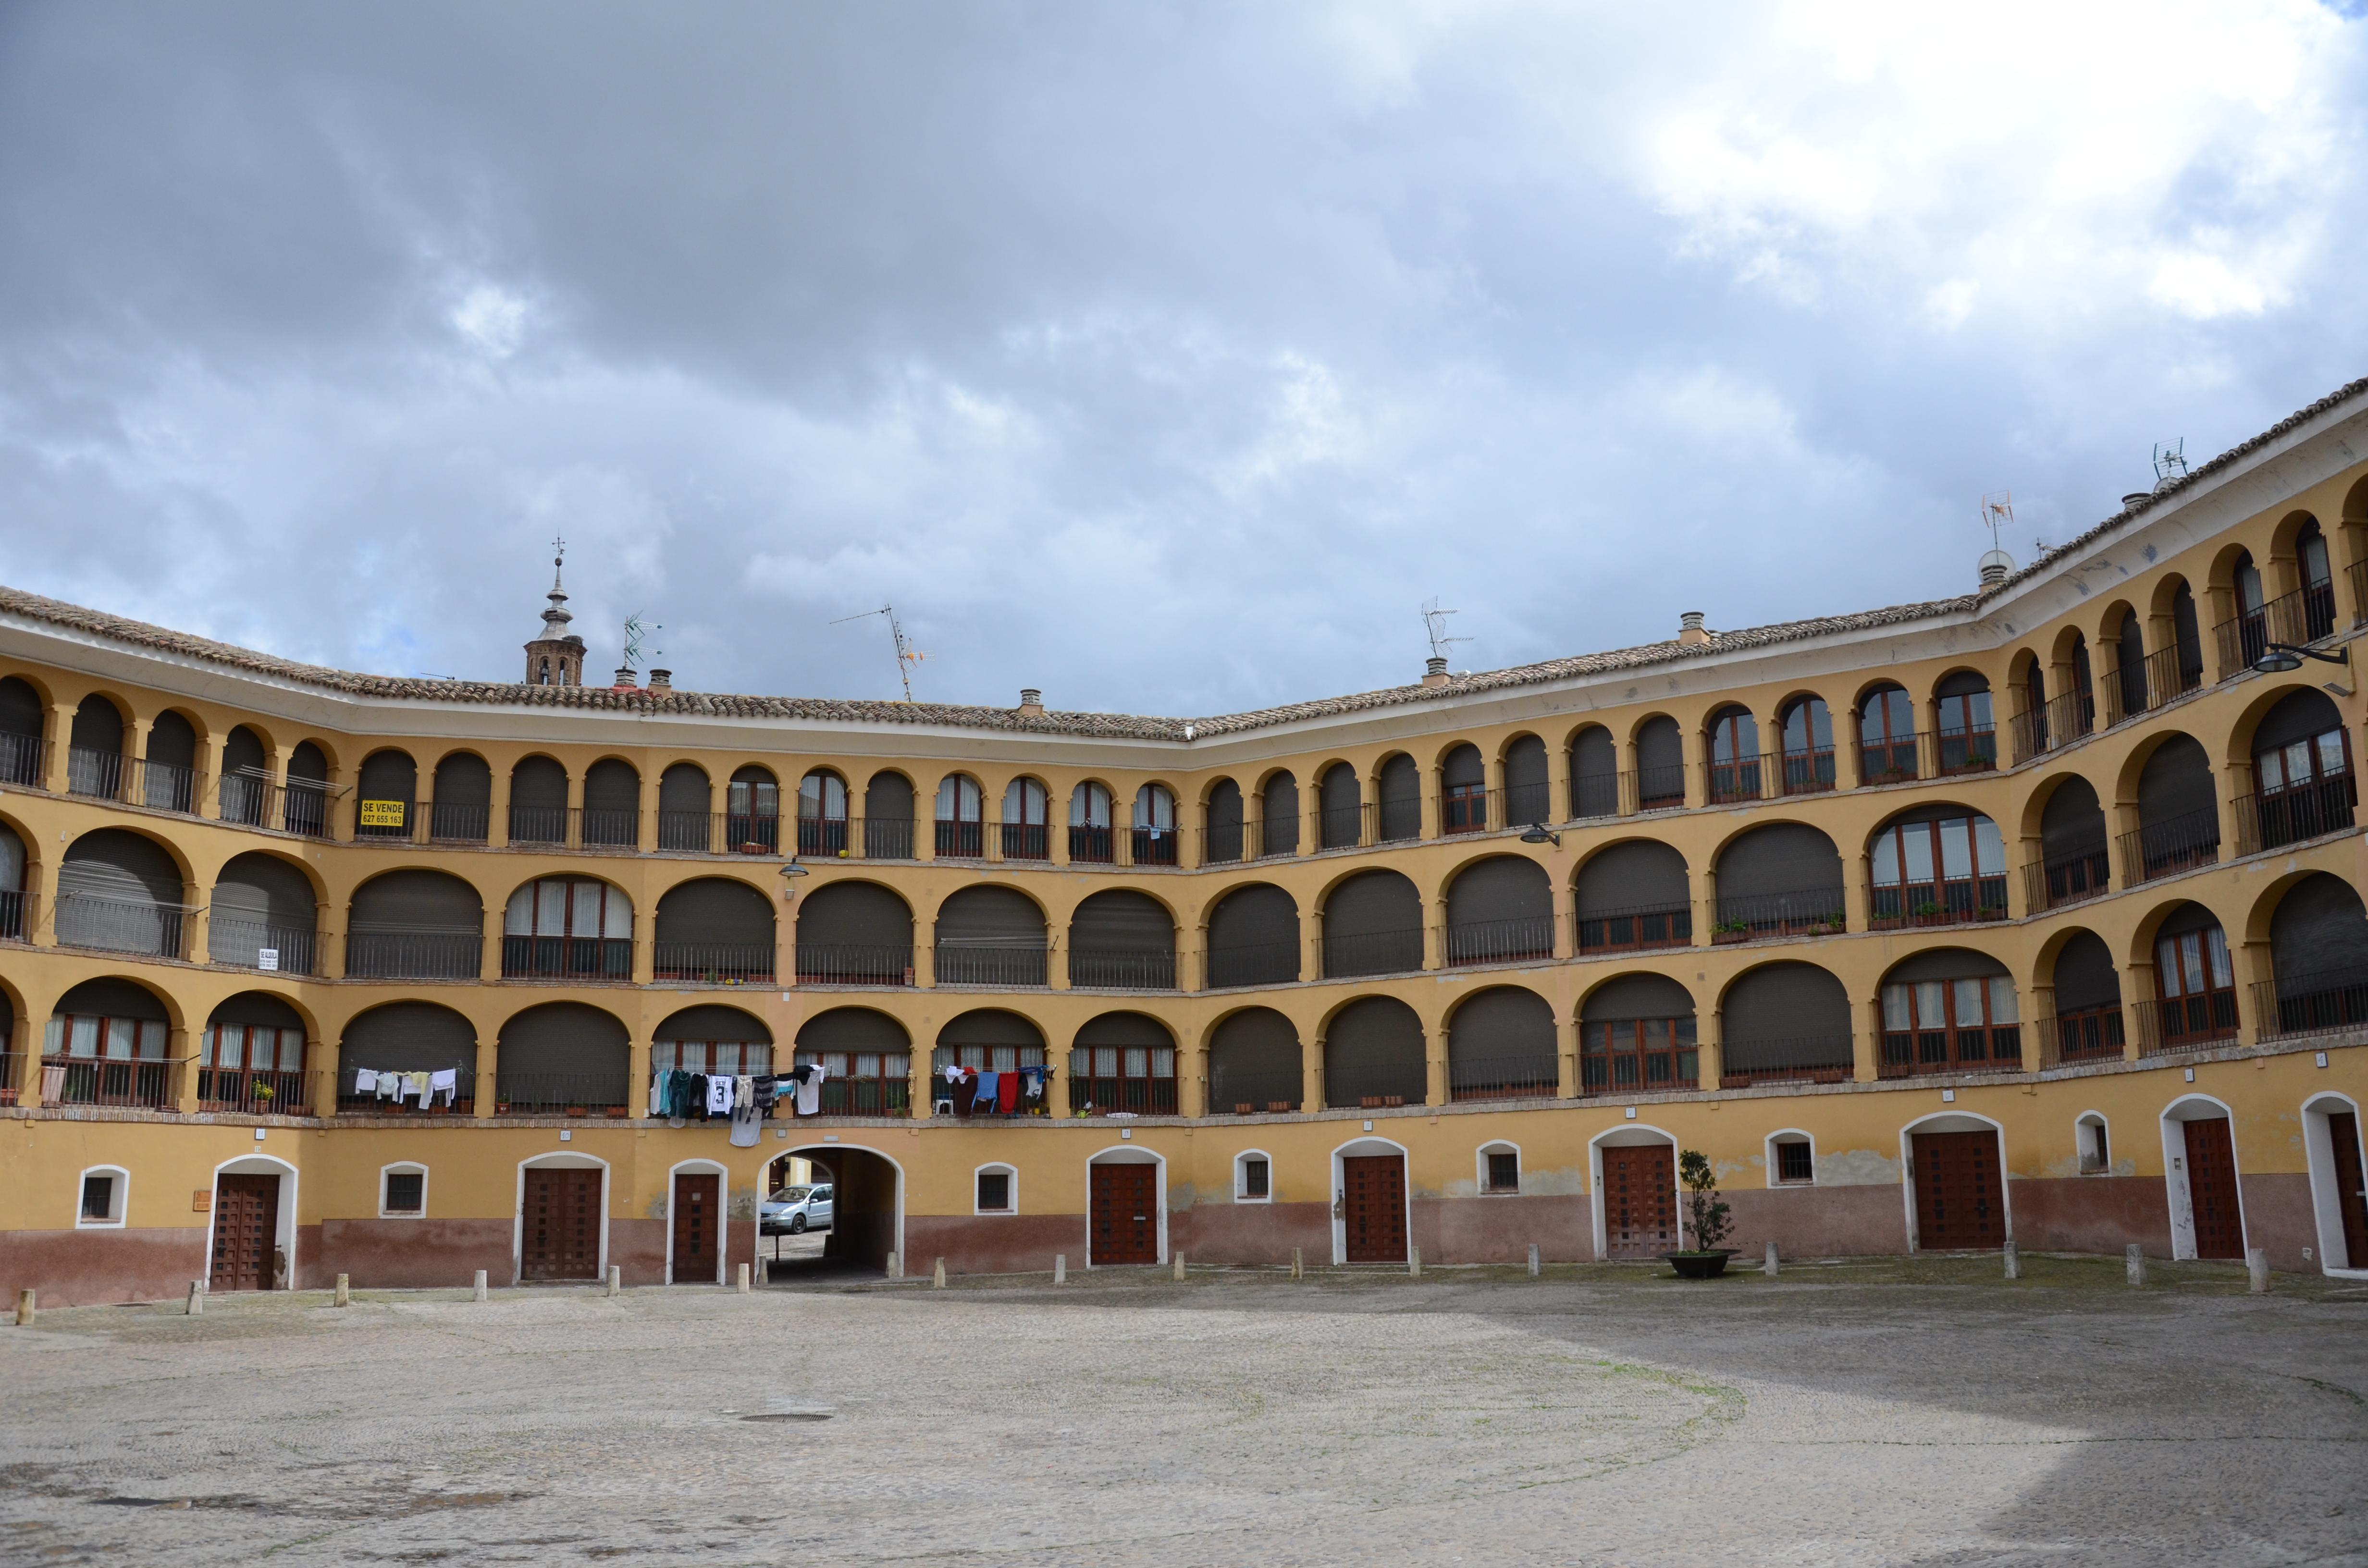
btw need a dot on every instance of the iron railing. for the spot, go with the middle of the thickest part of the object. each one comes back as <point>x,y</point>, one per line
<point>2059,722</point>
<point>123,924</point>
<point>2297,619</point>
<point>1955,901</point>
<point>1972,749</point>
<point>1503,1077</point>
<point>145,1086</point>
<point>887,838</point>
<point>1376,1087</point>
<point>546,1093</point>
<point>2085,1034</point>
<point>1661,788</point>
<point>1907,1053</point>
<point>1142,1096</point>
<point>95,774</point>
<point>243,944</point>
<point>2296,815</point>
<point>1253,963</point>
<point>1527,805</point>
<point>1594,795</point>
<point>1897,760</point>
<point>414,952</point>
<point>252,1092</point>
<point>459,822</point>
<point>1093,844</point>
<point>543,826</point>
<point>1466,808</point>
<point>2320,1002</point>
<point>19,915</point>
<point>1118,969</point>
<point>1639,927</point>
<point>1349,954</point>
<point>1155,845</point>
<point>2163,676</point>
<point>2075,879</point>
<point>383,820</point>
<point>1520,940</point>
<point>1259,1092</point>
<point>824,838</point>
<point>1005,964</point>
<point>1757,917</point>
<point>251,799</point>
<point>2184,1023</point>
<point>1026,840</point>
<point>719,832</point>
<point>1739,778</point>
<point>1791,1059</point>
<point>24,761</point>
<point>1397,819</point>
<point>132,781</point>
<point>592,959</point>
<point>855,964</point>
<point>863,1097</point>
<point>713,964</point>
<point>1638,1068</point>
<point>1342,827</point>
<point>2167,847</point>
<point>961,840</point>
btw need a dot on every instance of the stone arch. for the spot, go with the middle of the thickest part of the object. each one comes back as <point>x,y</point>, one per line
<point>1778,879</point>
<point>1784,1021</point>
<point>1374,1055</point>
<point>563,1056</point>
<point>1253,937</point>
<point>264,903</point>
<point>1499,909</point>
<point>1372,924</point>
<point>1255,1062</point>
<point>1633,893</point>
<point>1502,1044</point>
<point>415,924</point>
<point>715,929</point>
<point>122,891</point>
<point>854,933</point>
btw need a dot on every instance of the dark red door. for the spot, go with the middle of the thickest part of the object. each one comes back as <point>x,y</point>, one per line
<point>697,1228</point>
<point>561,1237</point>
<point>1960,1199</point>
<point>1640,1201</point>
<point>1125,1218</point>
<point>246,1233</point>
<point>2351,1187</point>
<point>2212,1189</point>
<point>1373,1208</point>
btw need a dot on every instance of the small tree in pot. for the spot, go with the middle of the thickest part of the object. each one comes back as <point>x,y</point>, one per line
<point>1708,1218</point>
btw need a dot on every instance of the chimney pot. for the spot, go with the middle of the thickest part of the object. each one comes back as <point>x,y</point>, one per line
<point>661,680</point>
<point>625,678</point>
<point>1434,671</point>
<point>1031,701</point>
<point>2135,497</point>
<point>1690,628</point>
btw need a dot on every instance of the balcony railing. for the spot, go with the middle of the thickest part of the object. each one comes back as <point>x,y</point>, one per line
<point>1520,940</point>
<point>96,774</point>
<point>1636,926</point>
<point>2063,720</point>
<point>2326,1002</point>
<point>1971,750</point>
<point>19,915</point>
<point>1527,805</point>
<point>1957,901</point>
<point>1793,1059</point>
<point>459,822</point>
<point>2164,675</point>
<point>824,838</point>
<point>385,820</point>
<point>2167,847</point>
<point>1661,788</point>
<point>24,761</point>
<point>301,807</point>
<point>132,781</point>
<point>719,832</point>
<point>147,1086</point>
<point>855,964</point>
<point>1594,795</point>
<point>1009,965</point>
<point>961,840</point>
<point>1155,845</point>
<point>2184,1023</point>
<point>253,1093</point>
<point>713,964</point>
<point>1503,1077</point>
<point>1262,1092</point>
<point>123,926</point>
<point>1771,774</point>
<point>1026,840</point>
<point>887,838</point>
<point>1628,1072</point>
<point>2296,815</point>
<point>1113,969</point>
<point>575,827</point>
<point>414,952</point>
<point>1397,819</point>
<point>550,1094</point>
<point>1349,954</point>
<point>1898,759</point>
<point>1091,844</point>
<point>2075,879</point>
<point>866,1097</point>
<point>1741,778</point>
<point>1757,917</point>
<point>2298,617</point>
<point>1376,1087</point>
<point>1253,963</point>
<point>2086,1034</point>
<point>1908,1053</point>
<point>258,945</point>
<point>1142,1096</point>
<point>591,959</point>
<point>1466,808</point>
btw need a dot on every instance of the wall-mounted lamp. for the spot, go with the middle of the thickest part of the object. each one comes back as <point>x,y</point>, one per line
<point>793,871</point>
<point>2283,658</point>
<point>1536,833</point>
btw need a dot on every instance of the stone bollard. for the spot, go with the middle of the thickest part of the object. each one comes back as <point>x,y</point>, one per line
<point>740,1280</point>
<point>1298,1269</point>
<point>481,1285</point>
<point>616,1279</point>
<point>343,1296</point>
<point>2257,1271</point>
<point>1413,1261</point>
<point>197,1304</point>
<point>937,1280</point>
<point>24,1309</point>
<point>2013,1260</point>
<point>1180,1269</point>
<point>1769,1267</point>
<point>2134,1263</point>
<point>1060,1269</point>
<point>895,1269</point>
<point>1533,1260</point>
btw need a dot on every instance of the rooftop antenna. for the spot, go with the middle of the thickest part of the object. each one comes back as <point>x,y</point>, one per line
<point>1434,625</point>
<point>906,654</point>
<point>1997,512</point>
<point>2170,460</point>
<point>635,634</point>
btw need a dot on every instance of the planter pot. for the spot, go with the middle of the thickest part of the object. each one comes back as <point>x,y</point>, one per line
<point>616,1111</point>
<point>1699,1264</point>
<point>577,1110</point>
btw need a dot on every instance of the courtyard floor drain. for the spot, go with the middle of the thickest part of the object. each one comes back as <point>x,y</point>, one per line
<point>790,1414</point>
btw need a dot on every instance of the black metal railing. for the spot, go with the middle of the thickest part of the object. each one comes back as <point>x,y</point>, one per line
<point>247,1092</point>
<point>19,915</point>
<point>1342,827</point>
<point>2162,676</point>
<point>385,820</point>
<point>2299,618</point>
<point>1790,1059</point>
<point>1009,964</point>
<point>123,924</point>
<point>251,799</point>
<point>2074,879</point>
<point>2169,846</point>
<point>24,760</point>
<point>1973,749</point>
<point>259,945</point>
<point>1635,926</point>
<point>161,786</point>
<point>1371,1088</point>
<point>960,841</point>
<point>1757,917</point>
<point>713,964</point>
<point>550,1094</point>
<point>855,964</point>
<point>1909,1052</point>
<point>2061,721</point>
<point>414,952</point>
<point>719,832</point>
<point>2184,1023</point>
<point>1660,789</point>
<point>1639,1070</point>
<point>1503,1077</point>
<point>543,825</point>
<point>2296,815</point>
<point>591,959</point>
<point>1466,808</point>
<point>1739,778</point>
<point>1397,819</point>
<point>459,822</point>
<point>1810,772</point>
<point>1955,901</point>
<point>1520,940</point>
<point>1252,963</point>
<point>1155,845</point>
<point>888,839</point>
<point>824,838</point>
<point>146,1085</point>
<point>1261,1092</point>
<point>1026,840</point>
<point>1594,795</point>
<point>865,1096</point>
<point>1142,1096</point>
<point>1895,760</point>
<point>1117,968</point>
<point>1348,954</point>
<point>2320,1002</point>
<point>95,774</point>
<point>1527,805</point>
<point>2085,1034</point>
<point>1092,844</point>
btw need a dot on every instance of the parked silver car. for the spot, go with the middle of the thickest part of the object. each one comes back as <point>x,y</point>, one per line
<point>795,1209</point>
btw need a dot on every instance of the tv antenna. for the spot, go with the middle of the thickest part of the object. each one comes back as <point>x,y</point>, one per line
<point>1434,625</point>
<point>906,654</point>
<point>2170,459</point>
<point>1997,512</point>
<point>635,634</point>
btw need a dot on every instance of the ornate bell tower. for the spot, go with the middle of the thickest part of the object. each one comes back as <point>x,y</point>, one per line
<point>555,658</point>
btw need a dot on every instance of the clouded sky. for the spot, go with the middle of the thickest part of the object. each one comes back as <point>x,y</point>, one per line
<point>1164,357</point>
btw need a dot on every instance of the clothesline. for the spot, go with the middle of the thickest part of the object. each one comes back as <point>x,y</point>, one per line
<point>399,1085</point>
<point>995,1092</point>
<point>745,1100</point>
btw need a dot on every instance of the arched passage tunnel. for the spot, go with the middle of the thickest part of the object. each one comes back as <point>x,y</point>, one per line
<point>867,1213</point>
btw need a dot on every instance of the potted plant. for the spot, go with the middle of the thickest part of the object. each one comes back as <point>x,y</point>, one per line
<point>1708,1220</point>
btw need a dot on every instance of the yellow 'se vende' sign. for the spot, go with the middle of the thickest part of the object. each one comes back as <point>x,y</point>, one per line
<point>382,813</point>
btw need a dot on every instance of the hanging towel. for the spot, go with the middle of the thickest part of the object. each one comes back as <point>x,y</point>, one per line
<point>1006,1093</point>
<point>746,1123</point>
<point>982,1094</point>
<point>390,1086</point>
<point>447,1083</point>
<point>810,1093</point>
<point>365,1081</point>
<point>1035,1076</point>
<point>415,1086</point>
<point>53,1083</point>
<point>719,1096</point>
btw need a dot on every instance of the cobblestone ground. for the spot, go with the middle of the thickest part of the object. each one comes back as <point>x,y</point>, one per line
<point>1878,1414</point>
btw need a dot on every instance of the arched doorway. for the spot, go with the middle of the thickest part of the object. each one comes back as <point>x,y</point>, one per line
<point>1370,1212</point>
<point>1956,1185</point>
<point>867,1226</point>
<point>2199,1163</point>
<point>1635,1175</point>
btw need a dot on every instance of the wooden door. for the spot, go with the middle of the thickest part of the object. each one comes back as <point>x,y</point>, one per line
<point>247,1231</point>
<point>561,1237</point>
<point>698,1229</point>
<point>2212,1188</point>
<point>1960,1199</point>
<point>2351,1187</point>
<point>1640,1201</point>
<point>1374,1190</point>
<point>1125,1213</point>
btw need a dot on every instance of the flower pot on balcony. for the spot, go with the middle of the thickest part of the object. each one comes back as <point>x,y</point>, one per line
<point>1243,1107</point>
<point>1370,1102</point>
<point>501,1107</point>
<point>577,1110</point>
<point>617,1112</point>
<point>1699,1264</point>
<point>1277,1107</point>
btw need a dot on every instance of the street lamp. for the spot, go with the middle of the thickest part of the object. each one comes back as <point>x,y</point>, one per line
<point>1536,833</point>
<point>792,870</point>
<point>2283,658</point>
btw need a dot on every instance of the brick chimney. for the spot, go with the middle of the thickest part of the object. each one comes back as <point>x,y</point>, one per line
<point>1031,702</point>
<point>1434,671</point>
<point>661,680</point>
<point>1690,629</point>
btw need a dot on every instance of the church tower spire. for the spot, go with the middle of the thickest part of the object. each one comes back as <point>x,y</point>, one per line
<point>556,658</point>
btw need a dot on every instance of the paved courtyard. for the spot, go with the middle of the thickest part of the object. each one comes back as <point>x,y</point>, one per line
<point>1867,1414</point>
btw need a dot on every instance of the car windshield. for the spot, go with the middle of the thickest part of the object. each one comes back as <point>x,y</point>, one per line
<point>792,1194</point>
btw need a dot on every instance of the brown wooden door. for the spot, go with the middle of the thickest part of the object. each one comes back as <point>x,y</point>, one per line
<point>1960,1200</point>
<point>561,1237</point>
<point>247,1231</point>
<point>698,1229</point>
<point>1125,1213</point>
<point>2351,1187</point>
<point>1374,1190</point>
<point>2212,1188</point>
<point>1640,1201</point>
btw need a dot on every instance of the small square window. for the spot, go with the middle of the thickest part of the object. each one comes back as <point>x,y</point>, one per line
<point>1792,1162</point>
<point>1253,1179</point>
<point>994,1189</point>
<point>99,1198</point>
<point>1504,1173</point>
<point>406,1191</point>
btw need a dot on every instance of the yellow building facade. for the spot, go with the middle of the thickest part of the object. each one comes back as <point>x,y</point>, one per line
<point>2032,915</point>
